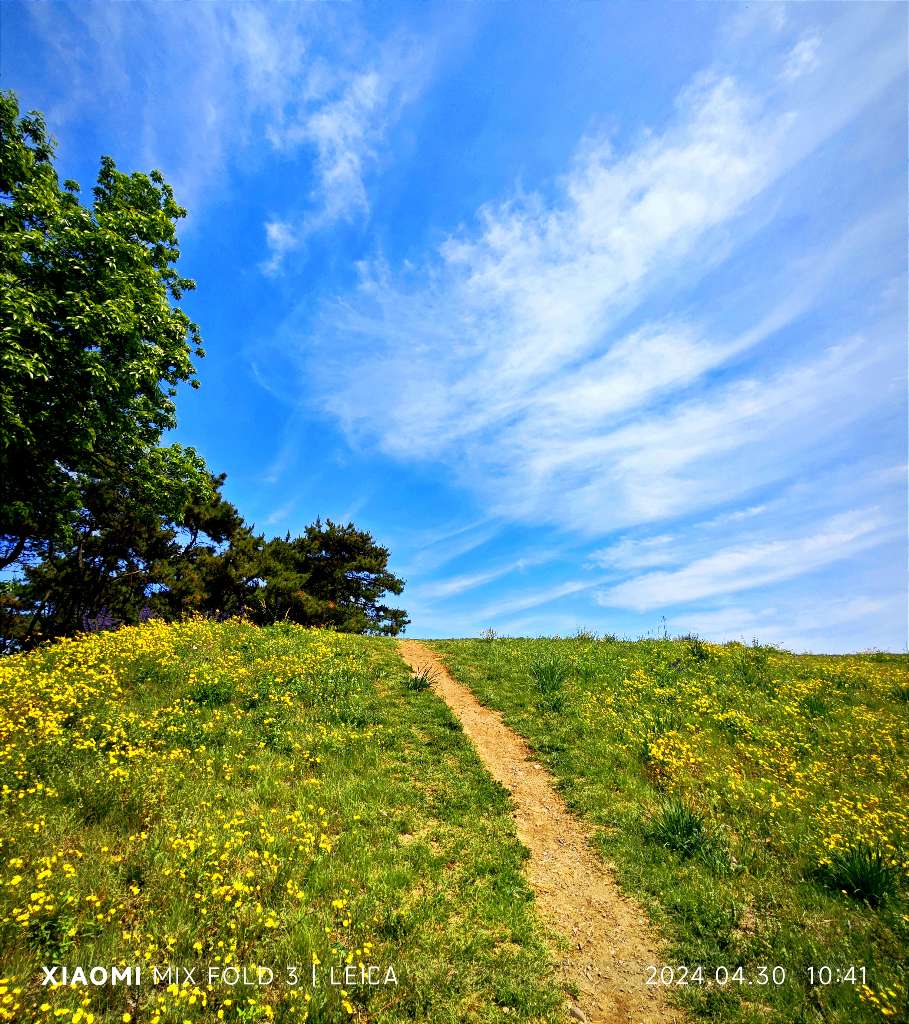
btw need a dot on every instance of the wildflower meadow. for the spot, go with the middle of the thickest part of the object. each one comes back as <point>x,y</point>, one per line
<point>755,800</point>
<point>223,800</point>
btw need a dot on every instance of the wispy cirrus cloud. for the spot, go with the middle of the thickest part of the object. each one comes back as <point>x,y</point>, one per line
<point>279,514</point>
<point>636,553</point>
<point>230,69</point>
<point>497,333</point>
<point>455,585</point>
<point>745,567</point>
<point>802,59</point>
<point>241,81</point>
<point>343,123</point>
<point>558,359</point>
<point>428,553</point>
<point>494,611</point>
<point>784,622</point>
<point>508,361</point>
<point>858,622</point>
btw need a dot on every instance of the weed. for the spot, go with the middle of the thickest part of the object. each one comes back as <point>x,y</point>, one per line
<point>814,706</point>
<point>679,827</point>
<point>587,636</point>
<point>862,872</point>
<point>901,692</point>
<point>697,649</point>
<point>421,680</point>
<point>211,693</point>
<point>549,673</point>
<point>752,667</point>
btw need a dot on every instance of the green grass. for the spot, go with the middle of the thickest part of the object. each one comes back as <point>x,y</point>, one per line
<point>679,828</point>
<point>862,872</point>
<point>421,680</point>
<point>756,802</point>
<point>195,793</point>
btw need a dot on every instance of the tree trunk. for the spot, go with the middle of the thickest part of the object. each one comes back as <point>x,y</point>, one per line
<point>14,552</point>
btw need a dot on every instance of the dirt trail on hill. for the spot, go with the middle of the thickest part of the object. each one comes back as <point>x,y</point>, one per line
<point>610,945</point>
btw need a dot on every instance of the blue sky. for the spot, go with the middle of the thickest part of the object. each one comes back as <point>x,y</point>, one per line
<point>595,314</point>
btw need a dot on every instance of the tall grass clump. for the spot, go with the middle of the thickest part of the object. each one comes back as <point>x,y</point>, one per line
<point>679,827</point>
<point>420,680</point>
<point>901,692</point>
<point>549,673</point>
<point>862,872</point>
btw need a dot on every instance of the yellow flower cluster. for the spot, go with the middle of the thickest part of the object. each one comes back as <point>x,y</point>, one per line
<point>809,747</point>
<point>889,1001</point>
<point>162,804</point>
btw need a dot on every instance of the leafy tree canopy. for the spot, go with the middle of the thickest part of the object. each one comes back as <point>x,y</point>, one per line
<point>138,526</point>
<point>331,576</point>
<point>91,348</point>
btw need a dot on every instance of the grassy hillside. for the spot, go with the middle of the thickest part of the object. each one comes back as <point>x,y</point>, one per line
<point>216,796</point>
<point>758,802</point>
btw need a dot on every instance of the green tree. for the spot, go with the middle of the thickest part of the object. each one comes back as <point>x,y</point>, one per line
<point>217,569</point>
<point>332,576</point>
<point>137,525</point>
<point>91,348</point>
<point>107,526</point>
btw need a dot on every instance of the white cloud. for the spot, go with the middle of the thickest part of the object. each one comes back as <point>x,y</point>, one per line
<point>459,584</point>
<point>279,514</point>
<point>343,119</point>
<point>748,566</point>
<point>809,623</point>
<point>631,553</point>
<point>353,509</point>
<point>455,585</point>
<point>430,551</point>
<point>238,78</point>
<point>673,461</point>
<point>281,238</point>
<point>737,622</point>
<point>340,130</point>
<point>525,358</point>
<point>489,335</point>
<point>738,516</point>
<point>494,611</point>
<point>802,59</point>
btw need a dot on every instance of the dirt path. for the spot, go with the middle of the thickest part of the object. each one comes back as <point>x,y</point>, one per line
<point>609,941</point>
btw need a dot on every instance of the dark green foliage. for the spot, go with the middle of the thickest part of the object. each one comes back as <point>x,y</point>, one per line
<point>146,542</point>
<point>814,706</point>
<point>211,693</point>
<point>333,576</point>
<point>128,561</point>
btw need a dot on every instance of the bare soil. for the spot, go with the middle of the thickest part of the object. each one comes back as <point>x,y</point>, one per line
<point>609,940</point>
